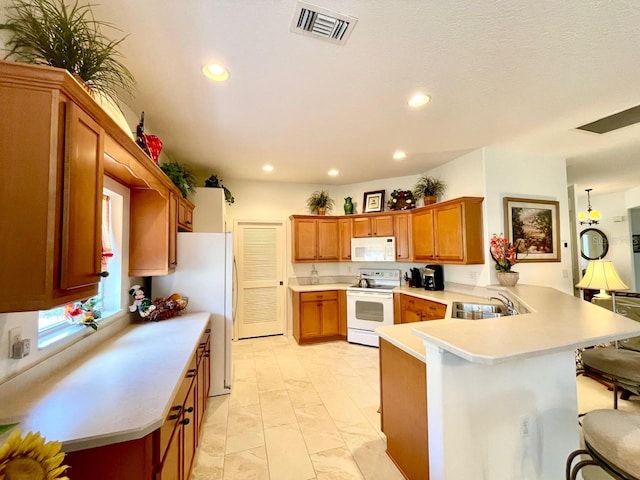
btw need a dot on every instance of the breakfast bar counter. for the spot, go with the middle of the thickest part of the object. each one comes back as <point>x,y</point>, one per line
<point>501,392</point>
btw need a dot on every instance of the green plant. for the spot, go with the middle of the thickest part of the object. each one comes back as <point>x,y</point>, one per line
<point>214,182</point>
<point>428,186</point>
<point>48,32</point>
<point>318,200</point>
<point>181,176</point>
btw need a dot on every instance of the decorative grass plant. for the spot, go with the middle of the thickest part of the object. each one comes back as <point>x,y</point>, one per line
<point>50,32</point>
<point>181,176</point>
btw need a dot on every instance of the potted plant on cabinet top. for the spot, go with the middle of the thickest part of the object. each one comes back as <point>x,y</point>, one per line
<point>214,182</point>
<point>48,32</point>
<point>319,202</point>
<point>181,176</point>
<point>430,188</point>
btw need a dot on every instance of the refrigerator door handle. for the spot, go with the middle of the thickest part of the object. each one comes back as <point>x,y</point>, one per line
<point>235,290</point>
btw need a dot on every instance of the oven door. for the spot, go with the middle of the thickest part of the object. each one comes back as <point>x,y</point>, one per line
<point>369,310</point>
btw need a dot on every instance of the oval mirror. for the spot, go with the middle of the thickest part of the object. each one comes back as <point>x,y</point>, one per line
<point>593,244</point>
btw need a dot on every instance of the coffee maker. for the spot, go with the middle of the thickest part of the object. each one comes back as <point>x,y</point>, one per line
<point>433,277</point>
<point>416,278</point>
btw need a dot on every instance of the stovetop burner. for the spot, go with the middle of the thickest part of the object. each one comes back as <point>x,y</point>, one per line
<point>378,279</point>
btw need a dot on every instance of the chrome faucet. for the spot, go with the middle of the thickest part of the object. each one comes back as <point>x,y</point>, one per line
<point>508,304</point>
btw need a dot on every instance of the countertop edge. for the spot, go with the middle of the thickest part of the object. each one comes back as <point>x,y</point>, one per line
<point>48,402</point>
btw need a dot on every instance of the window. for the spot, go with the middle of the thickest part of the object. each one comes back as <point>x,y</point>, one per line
<point>55,324</point>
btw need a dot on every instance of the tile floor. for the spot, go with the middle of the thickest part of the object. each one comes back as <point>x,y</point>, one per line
<point>299,413</point>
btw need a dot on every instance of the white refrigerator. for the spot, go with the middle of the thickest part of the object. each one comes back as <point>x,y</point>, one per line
<point>205,273</point>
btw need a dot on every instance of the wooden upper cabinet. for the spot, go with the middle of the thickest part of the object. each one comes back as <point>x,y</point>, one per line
<point>185,215</point>
<point>51,193</point>
<point>449,232</point>
<point>422,235</point>
<point>305,240</point>
<point>402,230</point>
<point>344,229</point>
<point>373,226</point>
<point>328,240</point>
<point>153,232</point>
<point>315,240</point>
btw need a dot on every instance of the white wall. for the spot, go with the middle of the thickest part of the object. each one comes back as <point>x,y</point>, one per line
<point>489,173</point>
<point>525,175</point>
<point>465,177</point>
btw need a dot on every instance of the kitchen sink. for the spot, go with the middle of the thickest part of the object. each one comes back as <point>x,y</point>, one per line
<point>477,311</point>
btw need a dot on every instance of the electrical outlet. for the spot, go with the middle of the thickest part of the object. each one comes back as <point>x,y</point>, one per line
<point>473,276</point>
<point>15,335</point>
<point>525,427</point>
<point>26,346</point>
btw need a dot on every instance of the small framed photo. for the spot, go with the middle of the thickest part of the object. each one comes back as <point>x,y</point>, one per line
<point>373,201</point>
<point>534,226</point>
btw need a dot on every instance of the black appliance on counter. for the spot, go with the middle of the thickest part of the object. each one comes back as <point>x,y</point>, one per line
<point>416,278</point>
<point>433,277</point>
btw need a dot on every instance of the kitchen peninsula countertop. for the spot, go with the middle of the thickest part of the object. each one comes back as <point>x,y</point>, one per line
<point>555,322</point>
<point>121,391</point>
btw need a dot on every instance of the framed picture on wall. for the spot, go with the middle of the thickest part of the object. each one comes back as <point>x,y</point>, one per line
<point>534,226</point>
<point>373,201</point>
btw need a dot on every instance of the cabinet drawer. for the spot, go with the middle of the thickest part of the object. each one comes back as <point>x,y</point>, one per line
<point>167,428</point>
<point>175,412</point>
<point>315,296</point>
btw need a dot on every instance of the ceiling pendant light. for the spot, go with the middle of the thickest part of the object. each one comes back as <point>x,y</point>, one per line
<point>592,217</point>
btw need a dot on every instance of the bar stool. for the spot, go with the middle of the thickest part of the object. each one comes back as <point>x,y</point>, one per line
<point>618,366</point>
<point>612,441</point>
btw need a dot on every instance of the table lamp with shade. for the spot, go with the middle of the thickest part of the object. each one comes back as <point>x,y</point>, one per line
<point>601,275</point>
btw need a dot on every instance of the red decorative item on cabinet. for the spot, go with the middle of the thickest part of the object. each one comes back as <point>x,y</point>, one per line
<point>154,146</point>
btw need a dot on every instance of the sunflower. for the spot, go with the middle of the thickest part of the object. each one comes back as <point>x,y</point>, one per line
<point>31,458</point>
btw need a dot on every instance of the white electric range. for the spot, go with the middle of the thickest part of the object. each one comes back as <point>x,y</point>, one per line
<point>371,306</point>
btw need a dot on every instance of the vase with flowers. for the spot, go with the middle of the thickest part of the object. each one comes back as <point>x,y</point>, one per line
<point>505,254</point>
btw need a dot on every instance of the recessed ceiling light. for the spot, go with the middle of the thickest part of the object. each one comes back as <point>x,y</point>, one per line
<point>268,168</point>
<point>333,172</point>
<point>215,72</point>
<point>419,100</point>
<point>399,155</point>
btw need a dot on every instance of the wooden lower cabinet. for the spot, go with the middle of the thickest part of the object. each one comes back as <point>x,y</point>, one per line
<point>403,401</point>
<point>408,309</point>
<point>319,316</point>
<point>164,454</point>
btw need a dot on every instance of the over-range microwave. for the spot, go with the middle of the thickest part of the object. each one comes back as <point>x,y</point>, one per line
<point>373,249</point>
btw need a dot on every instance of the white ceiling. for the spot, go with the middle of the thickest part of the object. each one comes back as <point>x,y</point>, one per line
<point>516,73</point>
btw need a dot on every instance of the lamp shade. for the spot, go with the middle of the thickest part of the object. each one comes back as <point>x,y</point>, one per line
<point>601,275</point>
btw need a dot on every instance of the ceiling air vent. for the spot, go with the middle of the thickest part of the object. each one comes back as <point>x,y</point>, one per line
<point>322,24</point>
<point>613,122</point>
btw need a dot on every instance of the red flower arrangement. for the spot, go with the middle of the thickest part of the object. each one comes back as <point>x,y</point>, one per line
<point>503,253</point>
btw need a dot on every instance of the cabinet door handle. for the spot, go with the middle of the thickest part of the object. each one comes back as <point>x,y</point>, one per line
<point>103,274</point>
<point>191,373</point>
<point>189,410</point>
<point>188,222</point>
<point>202,345</point>
<point>186,421</point>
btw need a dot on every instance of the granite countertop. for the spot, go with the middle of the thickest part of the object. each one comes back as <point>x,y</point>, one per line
<point>555,322</point>
<point>121,391</point>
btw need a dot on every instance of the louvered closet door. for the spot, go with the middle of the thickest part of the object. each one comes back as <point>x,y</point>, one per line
<point>260,255</point>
